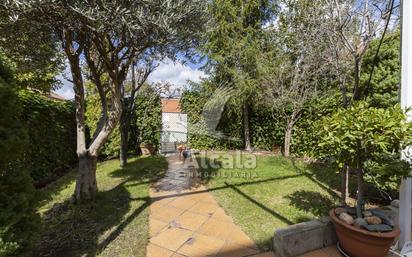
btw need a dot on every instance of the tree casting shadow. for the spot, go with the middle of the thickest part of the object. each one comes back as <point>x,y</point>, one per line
<point>313,202</point>
<point>86,229</point>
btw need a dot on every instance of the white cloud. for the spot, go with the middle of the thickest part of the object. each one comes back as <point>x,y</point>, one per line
<point>66,91</point>
<point>175,73</point>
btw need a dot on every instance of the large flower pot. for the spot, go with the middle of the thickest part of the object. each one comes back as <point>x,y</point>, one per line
<point>148,149</point>
<point>358,242</point>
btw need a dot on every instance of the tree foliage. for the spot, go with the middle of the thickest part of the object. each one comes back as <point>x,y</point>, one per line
<point>232,43</point>
<point>368,140</point>
<point>384,85</point>
<point>294,70</point>
<point>34,67</point>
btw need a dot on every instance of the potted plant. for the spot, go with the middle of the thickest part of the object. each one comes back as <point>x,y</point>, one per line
<point>148,148</point>
<point>358,137</point>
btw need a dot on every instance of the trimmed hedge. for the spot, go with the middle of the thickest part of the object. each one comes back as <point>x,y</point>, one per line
<point>147,120</point>
<point>19,221</point>
<point>305,138</point>
<point>51,128</point>
<point>145,126</point>
<point>266,131</point>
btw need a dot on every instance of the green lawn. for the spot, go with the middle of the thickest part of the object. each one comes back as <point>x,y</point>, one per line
<point>277,193</point>
<point>113,224</point>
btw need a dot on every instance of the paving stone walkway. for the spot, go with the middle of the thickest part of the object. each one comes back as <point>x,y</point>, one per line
<point>185,220</point>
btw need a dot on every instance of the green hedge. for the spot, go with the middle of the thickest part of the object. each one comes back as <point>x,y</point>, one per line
<point>19,221</point>
<point>51,128</point>
<point>192,103</point>
<point>111,147</point>
<point>147,120</point>
<point>305,137</point>
<point>145,126</point>
<point>266,131</point>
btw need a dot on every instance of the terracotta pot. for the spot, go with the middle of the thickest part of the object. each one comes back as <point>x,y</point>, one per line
<point>148,149</point>
<point>362,243</point>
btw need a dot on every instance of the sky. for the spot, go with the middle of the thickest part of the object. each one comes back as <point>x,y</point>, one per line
<point>175,73</point>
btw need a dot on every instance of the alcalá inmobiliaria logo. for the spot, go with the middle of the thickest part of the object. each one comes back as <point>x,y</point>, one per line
<point>220,163</point>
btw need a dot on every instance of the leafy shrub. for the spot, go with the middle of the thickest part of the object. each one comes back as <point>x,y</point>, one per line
<point>111,148</point>
<point>146,121</point>
<point>148,116</point>
<point>369,140</point>
<point>51,128</point>
<point>19,221</point>
<point>305,138</point>
<point>265,130</point>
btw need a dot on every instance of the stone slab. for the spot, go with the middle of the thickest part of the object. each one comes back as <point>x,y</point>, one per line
<point>304,237</point>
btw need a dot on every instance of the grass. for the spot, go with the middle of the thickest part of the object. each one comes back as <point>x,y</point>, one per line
<point>276,193</point>
<point>115,223</point>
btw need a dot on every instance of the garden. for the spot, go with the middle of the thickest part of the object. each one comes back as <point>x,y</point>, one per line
<point>296,117</point>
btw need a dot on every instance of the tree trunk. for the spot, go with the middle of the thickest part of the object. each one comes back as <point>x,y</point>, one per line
<point>357,69</point>
<point>345,185</point>
<point>246,127</point>
<point>124,146</point>
<point>288,139</point>
<point>360,201</point>
<point>86,185</point>
<point>359,168</point>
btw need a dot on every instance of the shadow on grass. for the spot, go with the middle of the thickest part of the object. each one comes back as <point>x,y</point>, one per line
<point>328,177</point>
<point>312,202</point>
<point>86,229</point>
<point>260,205</point>
<point>210,171</point>
<point>324,176</point>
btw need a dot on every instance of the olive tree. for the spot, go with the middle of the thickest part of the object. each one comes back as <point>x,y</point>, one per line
<point>106,37</point>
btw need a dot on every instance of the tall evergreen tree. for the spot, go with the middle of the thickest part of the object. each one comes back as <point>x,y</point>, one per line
<point>233,41</point>
<point>383,88</point>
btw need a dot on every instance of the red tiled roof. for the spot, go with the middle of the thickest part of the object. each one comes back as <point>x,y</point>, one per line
<point>55,96</point>
<point>171,105</point>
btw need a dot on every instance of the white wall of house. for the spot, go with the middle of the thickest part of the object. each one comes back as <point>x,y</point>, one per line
<point>174,127</point>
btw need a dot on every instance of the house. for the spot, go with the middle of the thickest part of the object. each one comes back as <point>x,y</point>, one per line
<point>174,125</point>
<point>54,96</point>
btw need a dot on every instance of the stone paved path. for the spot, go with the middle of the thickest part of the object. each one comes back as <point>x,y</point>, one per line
<point>185,220</point>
